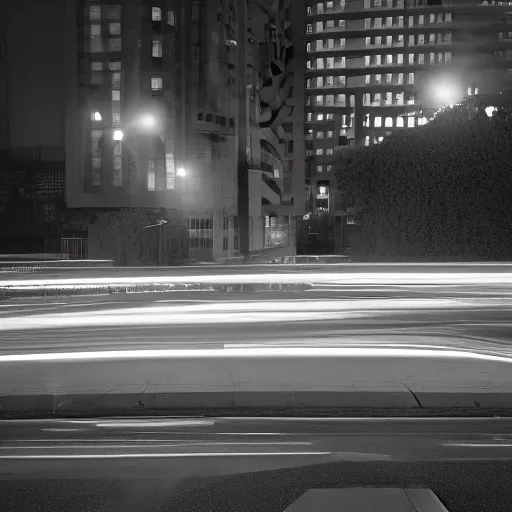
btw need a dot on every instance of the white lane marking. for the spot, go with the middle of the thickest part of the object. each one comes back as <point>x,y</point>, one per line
<point>372,278</point>
<point>317,352</point>
<point>166,455</point>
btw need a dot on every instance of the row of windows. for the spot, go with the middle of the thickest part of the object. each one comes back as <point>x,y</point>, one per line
<point>504,35</point>
<point>321,135</point>
<point>324,168</point>
<point>326,63</point>
<point>320,152</point>
<point>413,40</point>
<point>325,26</point>
<point>413,58</point>
<point>156,15</point>
<point>321,82</point>
<point>325,44</point>
<point>390,122</point>
<point>389,79</point>
<point>398,21</point>
<point>113,12</point>
<point>329,100</point>
<point>325,7</point>
<point>388,99</point>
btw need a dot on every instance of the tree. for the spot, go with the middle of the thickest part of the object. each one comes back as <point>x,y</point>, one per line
<point>441,191</point>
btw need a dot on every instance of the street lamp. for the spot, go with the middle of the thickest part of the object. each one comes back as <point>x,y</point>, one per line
<point>147,121</point>
<point>118,135</point>
<point>446,94</point>
<point>181,172</point>
<point>490,111</point>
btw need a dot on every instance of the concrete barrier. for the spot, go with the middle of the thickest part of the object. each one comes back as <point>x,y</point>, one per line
<point>98,383</point>
<point>41,265</point>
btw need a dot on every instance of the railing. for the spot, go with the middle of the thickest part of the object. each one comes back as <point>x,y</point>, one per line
<point>75,248</point>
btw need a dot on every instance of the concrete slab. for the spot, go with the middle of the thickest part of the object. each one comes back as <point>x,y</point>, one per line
<point>367,499</point>
<point>167,379</point>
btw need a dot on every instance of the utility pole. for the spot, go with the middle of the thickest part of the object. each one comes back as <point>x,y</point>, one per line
<point>243,172</point>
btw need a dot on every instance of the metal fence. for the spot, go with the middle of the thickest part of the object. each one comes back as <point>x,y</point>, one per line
<point>75,248</point>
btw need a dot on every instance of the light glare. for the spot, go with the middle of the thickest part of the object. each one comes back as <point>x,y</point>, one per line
<point>118,135</point>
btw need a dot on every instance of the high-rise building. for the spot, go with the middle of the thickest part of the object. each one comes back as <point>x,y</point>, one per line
<point>153,109</point>
<point>374,66</point>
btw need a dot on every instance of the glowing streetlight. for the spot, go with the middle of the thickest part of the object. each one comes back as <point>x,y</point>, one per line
<point>490,111</point>
<point>147,121</point>
<point>446,94</point>
<point>181,172</point>
<point>118,134</point>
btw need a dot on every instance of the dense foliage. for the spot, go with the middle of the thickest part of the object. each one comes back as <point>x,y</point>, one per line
<point>437,192</point>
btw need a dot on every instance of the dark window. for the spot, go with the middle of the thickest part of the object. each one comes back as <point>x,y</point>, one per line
<point>209,118</point>
<point>200,116</point>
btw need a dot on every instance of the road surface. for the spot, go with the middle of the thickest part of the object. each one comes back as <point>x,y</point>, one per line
<point>221,464</point>
<point>475,316</point>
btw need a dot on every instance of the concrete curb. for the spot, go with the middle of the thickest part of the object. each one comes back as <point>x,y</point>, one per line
<point>98,404</point>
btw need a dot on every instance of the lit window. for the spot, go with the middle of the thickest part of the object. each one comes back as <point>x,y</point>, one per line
<point>171,18</point>
<point>319,117</point>
<point>95,44</point>
<point>377,122</point>
<point>330,134</point>
<point>151,175</point>
<point>116,95</point>
<point>400,122</point>
<point>156,50</point>
<point>309,28</point>
<point>388,123</point>
<point>309,11</point>
<point>329,151</point>
<point>329,168</point>
<point>319,168</point>
<point>95,30</point>
<point>421,19</point>
<point>432,18</point>
<point>96,66</point>
<point>319,135</point>
<point>157,83</point>
<point>116,119</point>
<point>320,26</point>
<point>114,44</point>
<point>411,78</point>
<point>309,48</point>
<point>319,8</point>
<point>95,117</point>
<point>400,58</point>
<point>116,80</point>
<point>156,14</point>
<point>95,12</point>
<point>367,141</point>
<point>319,152</point>
<point>115,29</point>
<point>448,17</point>
<point>320,100</point>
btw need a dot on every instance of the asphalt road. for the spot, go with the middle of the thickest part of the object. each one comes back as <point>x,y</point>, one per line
<point>220,464</point>
<point>473,316</point>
